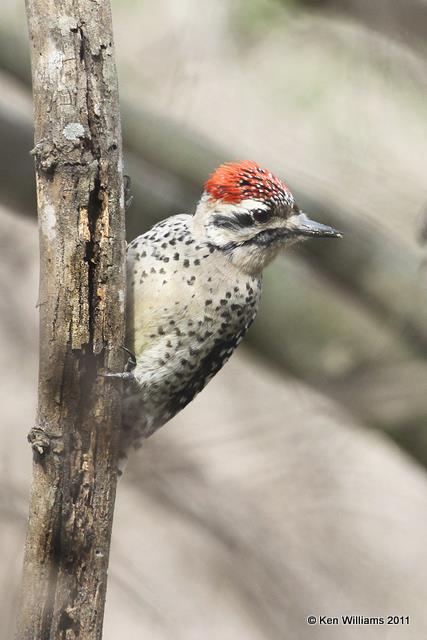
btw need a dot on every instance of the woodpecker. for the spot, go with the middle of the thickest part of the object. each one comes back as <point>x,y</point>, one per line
<point>194,284</point>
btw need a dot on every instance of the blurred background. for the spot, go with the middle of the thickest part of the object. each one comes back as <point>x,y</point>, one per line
<point>296,483</point>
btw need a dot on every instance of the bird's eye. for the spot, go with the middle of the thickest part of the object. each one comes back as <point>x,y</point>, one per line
<point>261,215</point>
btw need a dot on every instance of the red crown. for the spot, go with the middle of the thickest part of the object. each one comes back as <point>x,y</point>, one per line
<point>233,182</point>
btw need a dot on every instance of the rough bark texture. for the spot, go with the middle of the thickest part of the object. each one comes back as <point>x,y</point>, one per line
<point>82,292</point>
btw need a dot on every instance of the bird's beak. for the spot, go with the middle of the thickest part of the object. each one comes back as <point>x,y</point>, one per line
<point>300,225</point>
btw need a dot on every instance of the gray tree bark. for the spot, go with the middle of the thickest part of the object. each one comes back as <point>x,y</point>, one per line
<point>78,161</point>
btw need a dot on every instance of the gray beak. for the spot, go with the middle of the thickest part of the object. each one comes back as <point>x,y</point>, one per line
<point>301,225</point>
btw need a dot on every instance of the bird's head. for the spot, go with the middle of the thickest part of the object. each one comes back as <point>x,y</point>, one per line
<point>251,215</point>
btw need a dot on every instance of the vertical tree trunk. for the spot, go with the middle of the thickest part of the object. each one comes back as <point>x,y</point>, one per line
<point>82,293</point>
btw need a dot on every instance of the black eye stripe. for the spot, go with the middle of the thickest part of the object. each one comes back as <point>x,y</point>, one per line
<point>236,221</point>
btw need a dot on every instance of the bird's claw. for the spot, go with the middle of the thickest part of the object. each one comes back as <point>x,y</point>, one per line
<point>125,375</point>
<point>131,362</point>
<point>129,367</point>
<point>127,192</point>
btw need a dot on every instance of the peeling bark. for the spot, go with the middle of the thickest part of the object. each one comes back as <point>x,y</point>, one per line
<point>82,290</point>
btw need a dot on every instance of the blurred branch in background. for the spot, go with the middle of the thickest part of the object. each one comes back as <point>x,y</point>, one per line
<point>343,319</point>
<point>17,185</point>
<point>403,19</point>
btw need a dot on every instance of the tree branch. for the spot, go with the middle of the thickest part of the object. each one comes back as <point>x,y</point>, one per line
<point>82,291</point>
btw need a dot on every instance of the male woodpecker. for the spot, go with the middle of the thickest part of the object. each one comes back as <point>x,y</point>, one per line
<point>194,283</point>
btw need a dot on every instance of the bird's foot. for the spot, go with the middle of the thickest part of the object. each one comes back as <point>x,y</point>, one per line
<point>127,373</point>
<point>131,362</point>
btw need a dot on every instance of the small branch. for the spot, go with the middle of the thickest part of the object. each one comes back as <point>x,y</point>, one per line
<point>82,284</point>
